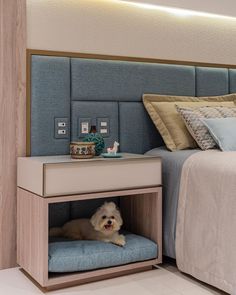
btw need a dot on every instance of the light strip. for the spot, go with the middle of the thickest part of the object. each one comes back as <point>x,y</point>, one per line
<point>176,11</point>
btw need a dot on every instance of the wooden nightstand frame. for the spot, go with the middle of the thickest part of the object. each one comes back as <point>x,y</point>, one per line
<point>144,204</point>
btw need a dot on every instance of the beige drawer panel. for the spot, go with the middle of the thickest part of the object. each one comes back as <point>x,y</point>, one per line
<point>61,175</point>
<point>64,179</point>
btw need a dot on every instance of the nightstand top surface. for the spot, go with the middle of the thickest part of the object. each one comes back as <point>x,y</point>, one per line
<point>68,159</point>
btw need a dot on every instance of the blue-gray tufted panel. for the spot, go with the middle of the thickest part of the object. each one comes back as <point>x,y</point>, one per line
<point>94,110</point>
<point>50,99</point>
<point>126,81</point>
<point>137,131</point>
<point>59,214</point>
<point>76,88</point>
<point>232,80</point>
<point>211,81</point>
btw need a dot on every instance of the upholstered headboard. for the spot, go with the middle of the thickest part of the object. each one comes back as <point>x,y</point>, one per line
<point>72,88</point>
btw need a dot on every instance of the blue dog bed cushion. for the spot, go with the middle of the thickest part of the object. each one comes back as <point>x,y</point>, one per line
<point>71,256</point>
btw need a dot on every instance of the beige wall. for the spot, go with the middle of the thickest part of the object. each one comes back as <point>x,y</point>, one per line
<point>113,27</point>
<point>226,7</point>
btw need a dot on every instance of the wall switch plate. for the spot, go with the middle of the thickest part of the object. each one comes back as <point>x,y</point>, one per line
<point>103,126</point>
<point>84,126</point>
<point>61,128</point>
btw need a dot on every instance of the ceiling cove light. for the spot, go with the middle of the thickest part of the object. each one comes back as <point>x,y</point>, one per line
<point>176,11</point>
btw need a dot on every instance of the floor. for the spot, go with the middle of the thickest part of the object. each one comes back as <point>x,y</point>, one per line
<point>166,280</point>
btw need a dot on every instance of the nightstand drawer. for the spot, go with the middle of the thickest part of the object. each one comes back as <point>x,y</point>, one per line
<point>51,178</point>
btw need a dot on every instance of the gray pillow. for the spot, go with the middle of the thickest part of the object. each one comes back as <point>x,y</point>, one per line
<point>223,130</point>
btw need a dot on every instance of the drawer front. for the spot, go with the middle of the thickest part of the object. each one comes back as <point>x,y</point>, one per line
<point>65,179</point>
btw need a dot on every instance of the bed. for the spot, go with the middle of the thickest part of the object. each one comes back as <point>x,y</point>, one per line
<point>199,213</point>
<point>80,88</point>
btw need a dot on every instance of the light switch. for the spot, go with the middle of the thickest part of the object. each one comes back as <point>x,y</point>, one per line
<point>61,124</point>
<point>61,131</point>
<point>103,126</point>
<point>61,128</point>
<point>103,131</point>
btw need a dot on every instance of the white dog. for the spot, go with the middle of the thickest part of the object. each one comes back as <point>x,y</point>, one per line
<point>103,226</point>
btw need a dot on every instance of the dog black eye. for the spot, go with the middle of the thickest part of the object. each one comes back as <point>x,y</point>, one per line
<point>112,217</point>
<point>104,217</point>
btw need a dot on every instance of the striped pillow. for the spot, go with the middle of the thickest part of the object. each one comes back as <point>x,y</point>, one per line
<point>193,120</point>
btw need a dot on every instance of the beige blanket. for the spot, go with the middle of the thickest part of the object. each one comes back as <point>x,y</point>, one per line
<point>206,223</point>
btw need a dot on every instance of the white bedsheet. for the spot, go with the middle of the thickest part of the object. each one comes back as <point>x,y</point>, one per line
<point>206,221</point>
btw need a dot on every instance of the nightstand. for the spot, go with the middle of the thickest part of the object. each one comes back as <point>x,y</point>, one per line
<point>42,181</point>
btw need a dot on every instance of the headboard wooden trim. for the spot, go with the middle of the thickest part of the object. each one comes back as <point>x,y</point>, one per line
<point>31,52</point>
<point>125,58</point>
<point>28,101</point>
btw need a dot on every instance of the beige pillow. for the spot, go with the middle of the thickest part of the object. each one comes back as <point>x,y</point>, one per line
<point>168,121</point>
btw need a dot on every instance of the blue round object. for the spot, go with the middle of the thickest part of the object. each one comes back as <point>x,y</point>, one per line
<point>98,140</point>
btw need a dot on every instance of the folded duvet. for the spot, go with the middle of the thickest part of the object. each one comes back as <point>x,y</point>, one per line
<point>206,222</point>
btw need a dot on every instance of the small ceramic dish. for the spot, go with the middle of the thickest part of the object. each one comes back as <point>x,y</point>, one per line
<point>82,150</point>
<point>110,155</point>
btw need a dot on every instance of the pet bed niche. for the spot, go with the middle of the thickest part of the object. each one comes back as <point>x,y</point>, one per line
<point>72,256</point>
<point>68,256</point>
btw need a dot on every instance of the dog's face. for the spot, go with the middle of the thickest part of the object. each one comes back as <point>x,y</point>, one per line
<point>107,219</point>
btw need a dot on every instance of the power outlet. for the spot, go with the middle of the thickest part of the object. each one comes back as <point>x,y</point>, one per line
<point>61,128</point>
<point>84,126</point>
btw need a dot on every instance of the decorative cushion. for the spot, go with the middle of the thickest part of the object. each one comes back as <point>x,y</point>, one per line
<point>164,115</point>
<point>71,256</point>
<point>193,121</point>
<point>223,132</point>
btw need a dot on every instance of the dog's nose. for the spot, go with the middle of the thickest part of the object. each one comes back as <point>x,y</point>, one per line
<point>109,222</point>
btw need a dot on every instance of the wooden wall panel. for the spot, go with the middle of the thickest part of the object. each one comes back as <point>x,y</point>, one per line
<point>12,118</point>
